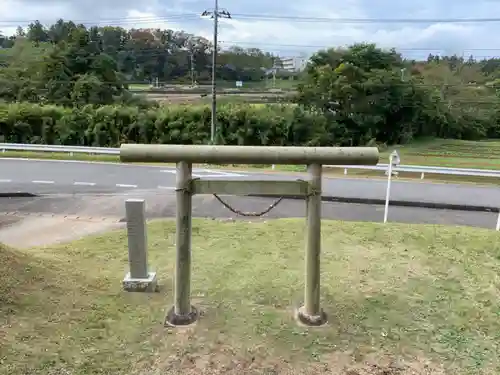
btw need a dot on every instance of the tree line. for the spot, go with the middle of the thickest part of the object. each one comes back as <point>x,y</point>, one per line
<point>150,54</point>
<point>373,95</point>
<point>356,95</point>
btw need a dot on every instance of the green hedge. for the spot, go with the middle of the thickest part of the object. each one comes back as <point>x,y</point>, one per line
<point>108,126</point>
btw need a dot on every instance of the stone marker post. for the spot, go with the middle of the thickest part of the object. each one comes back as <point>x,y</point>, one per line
<point>139,279</point>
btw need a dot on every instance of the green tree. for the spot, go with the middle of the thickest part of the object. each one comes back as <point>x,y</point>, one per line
<point>57,78</point>
<point>37,33</point>
<point>88,89</point>
<point>361,93</point>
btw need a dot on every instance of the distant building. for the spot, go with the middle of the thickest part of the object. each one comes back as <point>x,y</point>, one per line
<point>294,64</point>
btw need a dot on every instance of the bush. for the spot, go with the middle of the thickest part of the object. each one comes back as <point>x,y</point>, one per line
<point>109,126</point>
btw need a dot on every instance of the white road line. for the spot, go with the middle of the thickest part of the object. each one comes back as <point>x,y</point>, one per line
<point>216,172</point>
<point>207,173</point>
<point>42,182</point>
<point>217,175</point>
<point>5,180</point>
<point>126,186</point>
<point>166,187</point>
<point>84,183</point>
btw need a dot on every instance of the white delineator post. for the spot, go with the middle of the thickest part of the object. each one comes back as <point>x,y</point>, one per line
<point>393,162</point>
<point>497,228</point>
<point>139,279</point>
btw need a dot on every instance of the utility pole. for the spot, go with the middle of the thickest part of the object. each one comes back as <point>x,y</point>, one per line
<point>189,49</point>
<point>192,68</point>
<point>216,13</point>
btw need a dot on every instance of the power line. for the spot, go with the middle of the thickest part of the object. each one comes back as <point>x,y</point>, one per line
<point>271,17</point>
<point>256,17</point>
<point>157,52</point>
<point>262,17</point>
<point>160,50</point>
<point>109,21</point>
<point>237,42</point>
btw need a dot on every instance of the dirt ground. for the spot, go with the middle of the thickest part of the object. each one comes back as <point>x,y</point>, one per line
<point>193,98</point>
<point>47,229</point>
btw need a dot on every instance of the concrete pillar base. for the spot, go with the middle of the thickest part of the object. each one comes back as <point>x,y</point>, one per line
<point>310,320</point>
<point>148,285</point>
<point>174,320</point>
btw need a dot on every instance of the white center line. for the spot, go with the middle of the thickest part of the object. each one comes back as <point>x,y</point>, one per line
<point>126,186</point>
<point>5,180</point>
<point>166,187</point>
<point>42,182</point>
<point>84,183</point>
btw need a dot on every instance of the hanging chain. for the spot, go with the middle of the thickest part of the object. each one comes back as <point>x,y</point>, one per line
<point>248,214</point>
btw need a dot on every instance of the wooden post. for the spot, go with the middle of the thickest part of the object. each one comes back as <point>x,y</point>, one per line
<point>311,313</point>
<point>182,313</point>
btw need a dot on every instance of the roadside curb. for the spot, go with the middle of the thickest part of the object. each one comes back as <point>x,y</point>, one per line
<point>333,199</point>
<point>18,194</point>
<point>399,203</point>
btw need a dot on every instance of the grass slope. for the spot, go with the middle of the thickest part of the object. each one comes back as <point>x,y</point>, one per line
<point>450,153</point>
<point>401,299</point>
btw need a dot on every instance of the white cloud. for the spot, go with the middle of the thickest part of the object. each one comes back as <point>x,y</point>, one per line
<point>287,36</point>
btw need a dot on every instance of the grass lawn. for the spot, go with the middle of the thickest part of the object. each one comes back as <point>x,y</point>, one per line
<point>139,86</point>
<point>401,299</point>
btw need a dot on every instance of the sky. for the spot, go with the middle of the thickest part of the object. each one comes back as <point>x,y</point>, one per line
<point>283,32</point>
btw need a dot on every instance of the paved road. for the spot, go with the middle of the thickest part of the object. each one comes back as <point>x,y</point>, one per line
<point>46,177</point>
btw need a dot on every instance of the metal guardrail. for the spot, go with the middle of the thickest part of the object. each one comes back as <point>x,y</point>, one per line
<point>59,148</point>
<point>379,167</point>
<point>423,170</point>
